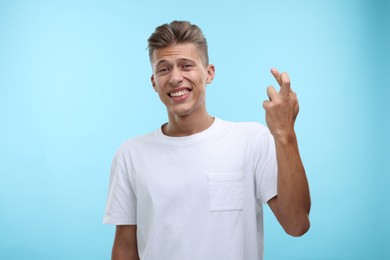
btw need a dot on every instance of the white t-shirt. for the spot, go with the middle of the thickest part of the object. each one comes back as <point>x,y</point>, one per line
<point>197,197</point>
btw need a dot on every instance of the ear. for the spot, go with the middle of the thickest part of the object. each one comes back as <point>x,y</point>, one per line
<point>153,83</point>
<point>210,73</point>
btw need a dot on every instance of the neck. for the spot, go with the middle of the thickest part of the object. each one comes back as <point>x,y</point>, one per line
<point>187,125</point>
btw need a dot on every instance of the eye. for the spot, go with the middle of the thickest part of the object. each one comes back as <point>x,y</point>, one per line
<point>162,70</point>
<point>187,66</point>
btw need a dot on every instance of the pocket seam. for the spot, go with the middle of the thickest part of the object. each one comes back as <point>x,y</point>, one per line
<point>225,191</point>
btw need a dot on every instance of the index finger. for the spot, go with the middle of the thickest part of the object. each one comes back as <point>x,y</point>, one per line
<point>276,75</point>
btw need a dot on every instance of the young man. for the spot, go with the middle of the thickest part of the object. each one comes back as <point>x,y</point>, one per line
<point>195,187</point>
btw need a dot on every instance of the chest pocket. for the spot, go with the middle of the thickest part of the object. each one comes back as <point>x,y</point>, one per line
<point>226,191</point>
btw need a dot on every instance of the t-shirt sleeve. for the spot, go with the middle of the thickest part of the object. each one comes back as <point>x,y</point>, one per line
<point>266,170</point>
<point>121,199</point>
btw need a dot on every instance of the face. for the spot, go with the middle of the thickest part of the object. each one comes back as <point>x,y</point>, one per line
<point>180,78</point>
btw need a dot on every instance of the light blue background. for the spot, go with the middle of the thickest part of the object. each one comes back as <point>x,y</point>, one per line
<point>74,84</point>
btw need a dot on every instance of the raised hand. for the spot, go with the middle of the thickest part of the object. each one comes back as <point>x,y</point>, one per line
<point>282,107</point>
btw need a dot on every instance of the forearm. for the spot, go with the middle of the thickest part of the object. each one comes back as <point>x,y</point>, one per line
<point>123,253</point>
<point>125,243</point>
<point>293,190</point>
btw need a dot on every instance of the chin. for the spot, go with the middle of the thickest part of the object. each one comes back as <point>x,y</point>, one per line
<point>182,111</point>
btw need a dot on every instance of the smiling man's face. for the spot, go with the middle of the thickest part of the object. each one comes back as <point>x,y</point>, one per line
<point>180,77</point>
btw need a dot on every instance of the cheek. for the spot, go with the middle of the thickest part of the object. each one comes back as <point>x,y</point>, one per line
<point>158,89</point>
<point>161,95</point>
<point>200,93</point>
<point>158,85</point>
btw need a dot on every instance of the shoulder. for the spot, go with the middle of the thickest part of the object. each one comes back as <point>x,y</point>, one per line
<point>135,144</point>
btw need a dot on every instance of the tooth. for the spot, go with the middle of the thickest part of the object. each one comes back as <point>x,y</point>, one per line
<point>179,93</point>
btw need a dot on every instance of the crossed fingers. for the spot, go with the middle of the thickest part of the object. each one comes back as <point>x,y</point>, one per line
<point>283,103</point>
<point>284,83</point>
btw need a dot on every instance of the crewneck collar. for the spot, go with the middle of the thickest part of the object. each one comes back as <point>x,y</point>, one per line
<point>190,138</point>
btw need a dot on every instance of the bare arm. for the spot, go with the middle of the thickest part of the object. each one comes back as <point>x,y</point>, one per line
<point>125,243</point>
<point>292,204</point>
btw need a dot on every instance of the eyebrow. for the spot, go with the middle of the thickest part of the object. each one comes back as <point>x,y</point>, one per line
<point>180,60</point>
<point>160,61</point>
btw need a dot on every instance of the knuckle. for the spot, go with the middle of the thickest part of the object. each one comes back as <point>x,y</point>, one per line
<point>277,103</point>
<point>285,78</point>
<point>268,105</point>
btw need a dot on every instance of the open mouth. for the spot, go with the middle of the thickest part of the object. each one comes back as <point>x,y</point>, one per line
<point>179,93</point>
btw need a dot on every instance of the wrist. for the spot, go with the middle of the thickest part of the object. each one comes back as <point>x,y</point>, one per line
<point>285,137</point>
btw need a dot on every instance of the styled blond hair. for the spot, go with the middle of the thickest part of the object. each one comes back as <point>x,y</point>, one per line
<point>178,32</point>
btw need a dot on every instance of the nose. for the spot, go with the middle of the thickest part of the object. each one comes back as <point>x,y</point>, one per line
<point>176,76</point>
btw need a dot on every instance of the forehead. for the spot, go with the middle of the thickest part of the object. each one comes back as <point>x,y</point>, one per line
<point>176,52</point>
